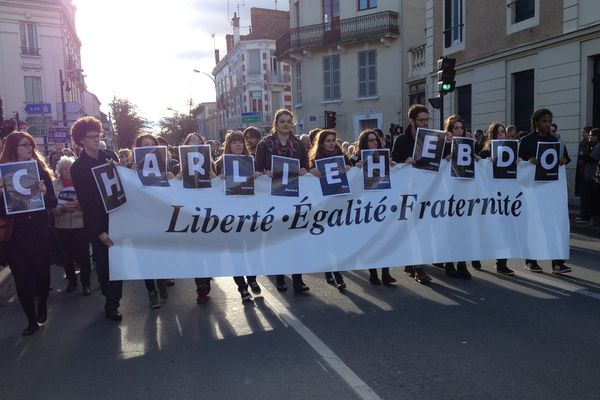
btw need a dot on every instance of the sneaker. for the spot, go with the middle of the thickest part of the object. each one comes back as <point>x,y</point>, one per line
<point>254,287</point>
<point>560,269</point>
<point>504,270</point>
<point>153,297</point>
<point>476,265</point>
<point>246,296</point>
<point>533,267</point>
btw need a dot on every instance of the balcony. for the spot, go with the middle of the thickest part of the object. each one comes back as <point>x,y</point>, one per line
<point>279,77</point>
<point>416,61</point>
<point>371,26</point>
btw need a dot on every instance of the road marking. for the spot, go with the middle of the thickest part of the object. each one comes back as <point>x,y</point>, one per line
<point>358,385</point>
<point>569,287</point>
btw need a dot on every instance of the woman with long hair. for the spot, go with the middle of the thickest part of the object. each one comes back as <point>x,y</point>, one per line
<point>370,140</point>
<point>496,131</point>
<point>30,246</point>
<point>147,140</point>
<point>455,127</point>
<point>326,145</point>
<point>282,142</point>
<point>235,144</point>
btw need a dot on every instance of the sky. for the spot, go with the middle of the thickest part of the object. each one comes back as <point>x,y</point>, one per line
<point>146,51</point>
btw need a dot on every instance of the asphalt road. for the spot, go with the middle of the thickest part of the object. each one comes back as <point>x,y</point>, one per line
<point>531,336</point>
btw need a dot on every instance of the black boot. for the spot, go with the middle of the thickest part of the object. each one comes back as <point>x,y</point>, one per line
<point>450,270</point>
<point>462,271</point>
<point>373,278</point>
<point>386,278</point>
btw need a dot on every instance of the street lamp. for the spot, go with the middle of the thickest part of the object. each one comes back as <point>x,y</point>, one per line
<point>212,78</point>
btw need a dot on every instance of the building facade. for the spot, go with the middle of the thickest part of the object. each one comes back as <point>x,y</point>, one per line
<point>207,117</point>
<point>40,60</point>
<point>513,57</point>
<point>250,82</point>
<point>348,57</point>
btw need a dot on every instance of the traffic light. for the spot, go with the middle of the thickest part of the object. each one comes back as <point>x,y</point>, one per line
<point>446,73</point>
<point>330,119</point>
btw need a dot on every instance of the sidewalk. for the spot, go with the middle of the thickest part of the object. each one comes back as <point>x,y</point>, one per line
<point>577,227</point>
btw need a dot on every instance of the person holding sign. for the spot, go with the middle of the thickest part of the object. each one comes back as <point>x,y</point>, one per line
<point>326,146</point>
<point>455,127</point>
<point>68,224</point>
<point>496,131</point>
<point>147,140</point>
<point>541,121</point>
<point>234,144</point>
<point>369,140</point>
<point>30,245</point>
<point>418,117</point>
<point>86,132</point>
<point>282,142</point>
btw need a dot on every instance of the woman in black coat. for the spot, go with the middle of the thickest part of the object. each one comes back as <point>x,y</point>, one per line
<point>30,246</point>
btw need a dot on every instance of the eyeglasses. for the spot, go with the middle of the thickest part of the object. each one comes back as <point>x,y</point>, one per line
<point>422,120</point>
<point>26,145</point>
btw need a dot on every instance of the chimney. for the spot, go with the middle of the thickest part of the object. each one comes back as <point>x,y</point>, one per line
<point>217,59</point>
<point>235,21</point>
<point>229,41</point>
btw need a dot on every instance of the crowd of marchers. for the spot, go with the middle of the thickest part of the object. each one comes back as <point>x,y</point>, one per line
<point>75,234</point>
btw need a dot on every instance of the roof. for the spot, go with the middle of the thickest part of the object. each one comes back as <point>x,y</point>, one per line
<point>267,24</point>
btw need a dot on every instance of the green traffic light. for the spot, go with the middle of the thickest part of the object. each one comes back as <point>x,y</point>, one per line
<point>446,86</point>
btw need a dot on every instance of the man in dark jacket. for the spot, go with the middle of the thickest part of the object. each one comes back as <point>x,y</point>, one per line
<point>418,117</point>
<point>86,133</point>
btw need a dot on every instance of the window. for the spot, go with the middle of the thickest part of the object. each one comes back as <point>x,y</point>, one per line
<point>453,23</point>
<point>253,62</point>
<point>274,64</point>
<point>522,10</point>
<point>366,4</point>
<point>463,104</point>
<point>29,42</point>
<point>367,73</point>
<point>416,93</point>
<point>367,124</point>
<point>33,89</point>
<point>299,83</point>
<point>331,10</point>
<point>256,101</point>
<point>523,86</point>
<point>331,78</point>
<point>521,14</point>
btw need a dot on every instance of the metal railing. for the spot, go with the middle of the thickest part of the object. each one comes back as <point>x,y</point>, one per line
<point>279,77</point>
<point>365,27</point>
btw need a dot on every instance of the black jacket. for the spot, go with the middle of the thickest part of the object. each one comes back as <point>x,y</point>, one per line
<point>528,146</point>
<point>95,219</point>
<point>264,151</point>
<point>403,146</point>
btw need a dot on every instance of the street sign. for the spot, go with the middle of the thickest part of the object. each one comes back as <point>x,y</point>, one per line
<point>37,130</point>
<point>37,108</point>
<point>251,114</point>
<point>58,134</point>
<point>39,120</point>
<point>251,119</point>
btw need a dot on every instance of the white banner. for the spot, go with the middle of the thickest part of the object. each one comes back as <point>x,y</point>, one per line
<point>426,217</point>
